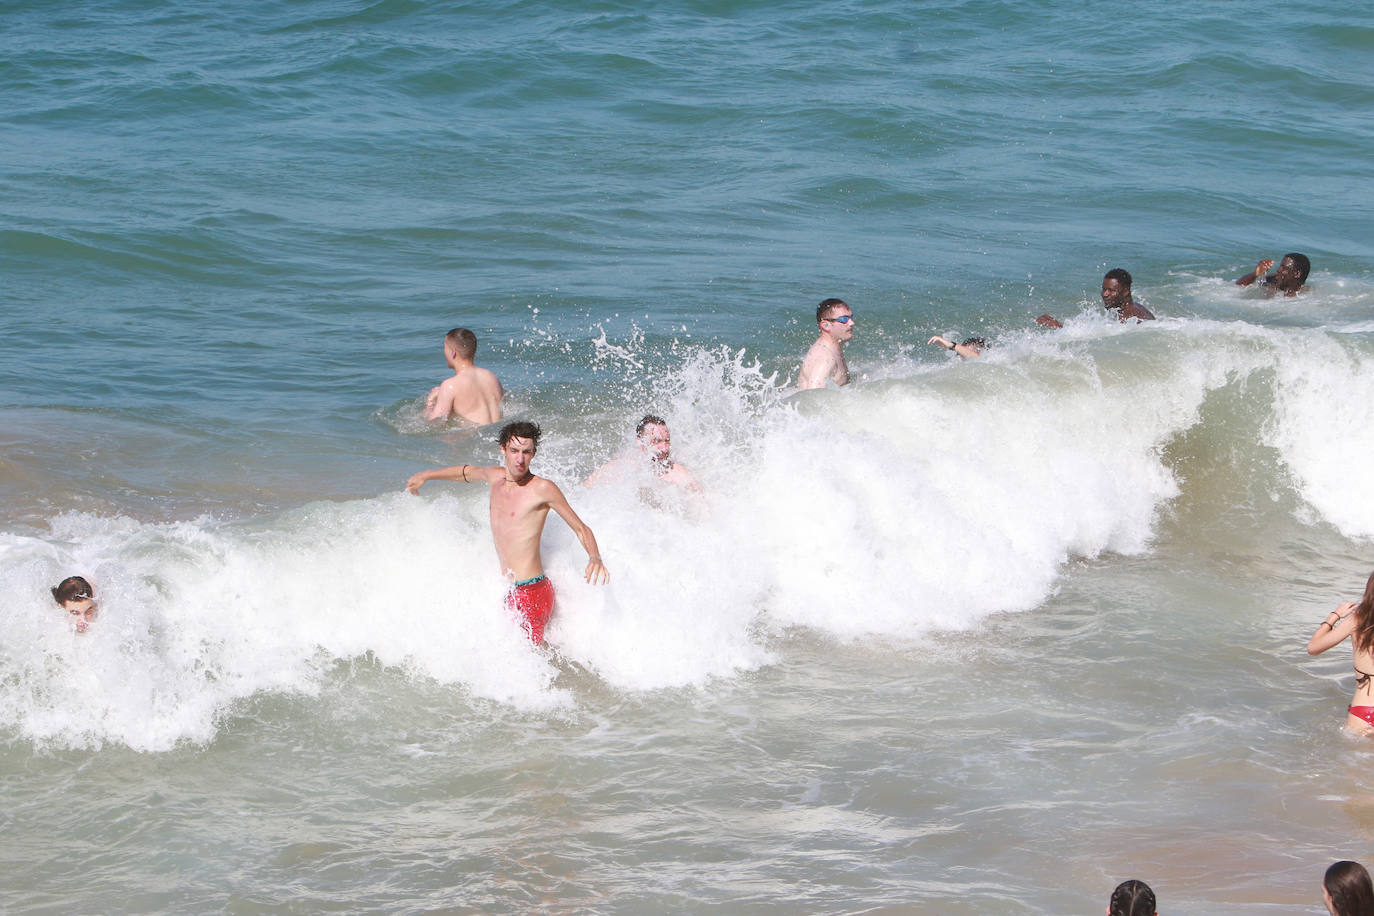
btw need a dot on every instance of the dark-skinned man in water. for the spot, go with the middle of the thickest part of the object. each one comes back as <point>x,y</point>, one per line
<point>519,504</point>
<point>1288,279</point>
<point>1116,294</point>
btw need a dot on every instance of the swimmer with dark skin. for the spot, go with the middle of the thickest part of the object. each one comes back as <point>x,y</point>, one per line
<point>1289,279</point>
<point>1116,294</point>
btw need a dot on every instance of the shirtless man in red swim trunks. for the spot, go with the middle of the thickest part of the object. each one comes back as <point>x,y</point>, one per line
<point>520,502</point>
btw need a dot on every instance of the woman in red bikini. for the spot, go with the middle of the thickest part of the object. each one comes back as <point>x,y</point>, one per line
<point>1356,620</point>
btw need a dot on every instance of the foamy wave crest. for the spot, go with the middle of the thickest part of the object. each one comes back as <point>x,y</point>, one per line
<point>197,615</point>
<point>1324,386</point>
<point>911,503</point>
<point>922,500</point>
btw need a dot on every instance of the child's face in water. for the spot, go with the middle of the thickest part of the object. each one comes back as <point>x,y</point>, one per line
<point>82,611</point>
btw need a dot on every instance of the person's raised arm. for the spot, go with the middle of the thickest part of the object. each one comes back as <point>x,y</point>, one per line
<point>1260,270</point>
<point>462,473</point>
<point>596,571</point>
<point>1332,631</point>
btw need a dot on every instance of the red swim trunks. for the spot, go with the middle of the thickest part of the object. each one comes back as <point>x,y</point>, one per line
<point>1362,712</point>
<point>532,599</point>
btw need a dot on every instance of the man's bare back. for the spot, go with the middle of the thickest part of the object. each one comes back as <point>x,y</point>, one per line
<point>473,393</point>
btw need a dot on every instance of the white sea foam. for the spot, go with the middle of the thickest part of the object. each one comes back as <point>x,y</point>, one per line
<point>1321,426</point>
<point>922,501</point>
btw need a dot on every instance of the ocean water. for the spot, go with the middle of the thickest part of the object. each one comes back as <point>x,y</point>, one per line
<point>960,638</point>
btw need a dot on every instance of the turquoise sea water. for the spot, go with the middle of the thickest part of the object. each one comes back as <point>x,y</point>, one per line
<point>981,637</point>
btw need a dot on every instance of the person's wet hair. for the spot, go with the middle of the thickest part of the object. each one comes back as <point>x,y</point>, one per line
<point>1119,275</point>
<point>521,429</point>
<point>1132,898</point>
<point>72,588</point>
<point>650,419</point>
<point>1351,892</point>
<point>1303,265</point>
<point>1363,635</point>
<point>978,342</point>
<point>463,341</point>
<point>823,310</point>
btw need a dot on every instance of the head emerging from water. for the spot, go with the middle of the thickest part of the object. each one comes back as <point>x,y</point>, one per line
<point>1132,898</point>
<point>519,441</point>
<point>654,439</point>
<point>75,596</point>
<point>1116,288</point>
<point>1292,272</point>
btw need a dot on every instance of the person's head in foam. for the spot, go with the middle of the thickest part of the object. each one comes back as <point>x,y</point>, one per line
<point>75,596</point>
<point>1132,898</point>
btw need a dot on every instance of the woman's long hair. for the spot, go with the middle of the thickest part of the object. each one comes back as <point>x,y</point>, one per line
<point>1363,637</point>
<point>1349,886</point>
<point>1133,898</point>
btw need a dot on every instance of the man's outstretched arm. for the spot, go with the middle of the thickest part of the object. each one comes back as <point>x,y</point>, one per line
<point>462,473</point>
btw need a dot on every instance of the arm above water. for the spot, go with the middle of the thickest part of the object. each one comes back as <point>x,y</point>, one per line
<point>1260,270</point>
<point>461,473</point>
<point>964,352</point>
<point>1332,631</point>
<point>596,571</point>
<point>439,404</point>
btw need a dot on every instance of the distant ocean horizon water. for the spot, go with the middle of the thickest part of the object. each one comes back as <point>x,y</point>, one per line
<point>963,637</point>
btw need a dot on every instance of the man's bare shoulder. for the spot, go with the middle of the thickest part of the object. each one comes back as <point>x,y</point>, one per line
<point>679,475</point>
<point>612,471</point>
<point>452,384</point>
<point>478,381</point>
<point>1137,311</point>
<point>540,489</point>
<point>816,366</point>
<point>548,486</point>
<point>492,474</point>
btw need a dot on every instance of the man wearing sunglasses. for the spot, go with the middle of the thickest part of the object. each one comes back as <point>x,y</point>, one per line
<point>825,360</point>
